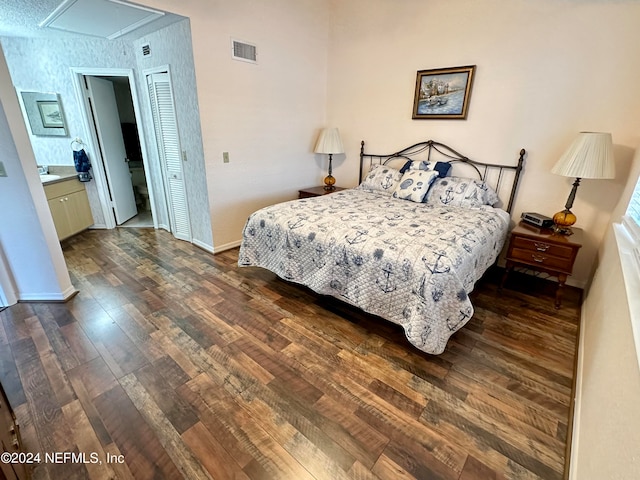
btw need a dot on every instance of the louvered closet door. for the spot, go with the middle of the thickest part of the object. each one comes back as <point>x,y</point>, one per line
<point>168,142</point>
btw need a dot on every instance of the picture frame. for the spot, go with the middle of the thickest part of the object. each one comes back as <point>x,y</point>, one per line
<point>443,93</point>
<point>43,113</point>
<point>50,114</point>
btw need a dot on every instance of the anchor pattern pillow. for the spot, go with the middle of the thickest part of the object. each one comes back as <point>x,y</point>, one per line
<point>414,184</point>
<point>461,192</point>
<point>381,178</point>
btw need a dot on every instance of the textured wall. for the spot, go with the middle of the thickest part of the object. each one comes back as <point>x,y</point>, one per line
<point>44,65</point>
<point>172,46</point>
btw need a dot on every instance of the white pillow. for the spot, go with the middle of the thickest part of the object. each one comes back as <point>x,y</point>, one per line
<point>461,192</point>
<point>414,184</point>
<point>381,179</point>
<point>420,165</point>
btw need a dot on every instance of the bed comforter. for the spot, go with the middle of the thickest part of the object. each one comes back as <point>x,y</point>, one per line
<point>411,263</point>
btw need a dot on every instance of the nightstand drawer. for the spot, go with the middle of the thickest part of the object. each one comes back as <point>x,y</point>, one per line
<point>542,247</point>
<point>543,250</point>
<point>542,259</point>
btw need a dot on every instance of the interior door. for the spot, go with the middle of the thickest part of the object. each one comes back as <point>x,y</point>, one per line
<point>114,155</point>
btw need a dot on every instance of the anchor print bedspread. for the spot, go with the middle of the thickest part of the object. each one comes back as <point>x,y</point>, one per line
<point>411,263</point>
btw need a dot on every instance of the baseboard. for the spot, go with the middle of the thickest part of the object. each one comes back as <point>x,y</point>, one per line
<point>62,297</point>
<point>203,246</point>
<point>227,246</point>
<point>571,457</point>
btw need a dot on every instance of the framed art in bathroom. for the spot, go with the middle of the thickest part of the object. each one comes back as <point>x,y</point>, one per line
<point>50,114</point>
<point>43,113</point>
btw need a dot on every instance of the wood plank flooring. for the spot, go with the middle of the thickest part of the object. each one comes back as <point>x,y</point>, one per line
<point>175,363</point>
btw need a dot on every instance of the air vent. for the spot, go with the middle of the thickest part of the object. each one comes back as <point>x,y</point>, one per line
<point>243,51</point>
<point>146,50</point>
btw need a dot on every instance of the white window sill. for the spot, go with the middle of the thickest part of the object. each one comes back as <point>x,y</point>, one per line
<point>627,247</point>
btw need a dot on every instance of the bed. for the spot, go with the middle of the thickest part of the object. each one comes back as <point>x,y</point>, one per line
<point>408,244</point>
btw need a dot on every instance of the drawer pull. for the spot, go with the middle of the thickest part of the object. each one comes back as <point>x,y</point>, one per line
<point>542,247</point>
<point>538,258</point>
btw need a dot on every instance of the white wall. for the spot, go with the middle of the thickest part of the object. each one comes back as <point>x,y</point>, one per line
<point>545,71</point>
<point>28,242</point>
<point>267,116</point>
<point>607,420</point>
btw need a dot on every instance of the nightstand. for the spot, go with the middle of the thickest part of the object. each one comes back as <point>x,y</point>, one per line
<point>543,250</point>
<point>316,191</point>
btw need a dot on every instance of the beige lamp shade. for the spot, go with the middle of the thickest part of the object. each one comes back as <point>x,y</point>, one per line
<point>329,142</point>
<point>589,156</point>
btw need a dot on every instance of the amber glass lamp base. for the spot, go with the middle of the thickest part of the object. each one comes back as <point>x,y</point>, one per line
<point>563,221</point>
<point>329,183</point>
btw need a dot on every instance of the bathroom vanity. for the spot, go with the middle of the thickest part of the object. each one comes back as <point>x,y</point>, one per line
<point>69,205</point>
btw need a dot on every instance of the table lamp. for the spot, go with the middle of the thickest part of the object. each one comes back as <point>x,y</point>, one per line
<point>589,156</point>
<point>329,143</point>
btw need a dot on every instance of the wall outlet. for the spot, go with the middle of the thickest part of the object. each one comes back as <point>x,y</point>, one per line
<point>3,172</point>
<point>225,157</point>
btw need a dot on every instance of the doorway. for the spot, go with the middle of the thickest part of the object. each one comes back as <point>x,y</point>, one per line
<point>119,161</point>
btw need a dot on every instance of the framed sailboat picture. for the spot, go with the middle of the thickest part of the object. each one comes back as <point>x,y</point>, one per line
<point>50,114</point>
<point>43,113</point>
<point>443,93</point>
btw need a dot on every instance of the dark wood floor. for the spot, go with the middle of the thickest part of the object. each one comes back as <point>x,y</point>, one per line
<point>185,366</point>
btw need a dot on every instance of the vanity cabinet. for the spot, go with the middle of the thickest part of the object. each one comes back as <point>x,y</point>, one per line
<point>69,207</point>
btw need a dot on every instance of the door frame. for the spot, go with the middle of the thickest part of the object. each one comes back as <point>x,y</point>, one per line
<point>98,171</point>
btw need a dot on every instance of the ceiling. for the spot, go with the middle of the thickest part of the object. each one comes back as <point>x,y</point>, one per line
<point>98,18</point>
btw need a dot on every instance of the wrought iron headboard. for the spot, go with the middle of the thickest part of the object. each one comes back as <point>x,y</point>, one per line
<point>449,155</point>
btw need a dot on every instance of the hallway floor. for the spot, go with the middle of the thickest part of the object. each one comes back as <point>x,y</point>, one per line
<point>142,220</point>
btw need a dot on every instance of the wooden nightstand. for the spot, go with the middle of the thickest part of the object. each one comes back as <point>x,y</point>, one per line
<point>316,191</point>
<point>543,250</point>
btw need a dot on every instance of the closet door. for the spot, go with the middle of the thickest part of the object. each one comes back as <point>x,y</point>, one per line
<point>168,143</point>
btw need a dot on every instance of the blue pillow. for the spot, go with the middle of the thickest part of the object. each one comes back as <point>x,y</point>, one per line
<point>443,168</point>
<point>406,166</point>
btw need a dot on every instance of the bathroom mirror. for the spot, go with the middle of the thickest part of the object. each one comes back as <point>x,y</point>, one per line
<point>44,113</point>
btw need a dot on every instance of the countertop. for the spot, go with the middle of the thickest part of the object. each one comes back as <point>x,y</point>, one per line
<point>64,171</point>
<point>63,178</point>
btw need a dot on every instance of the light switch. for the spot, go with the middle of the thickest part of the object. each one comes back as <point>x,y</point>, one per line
<point>3,172</point>
<point>225,157</point>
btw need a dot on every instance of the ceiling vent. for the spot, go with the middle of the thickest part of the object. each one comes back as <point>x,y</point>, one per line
<point>146,50</point>
<point>243,51</point>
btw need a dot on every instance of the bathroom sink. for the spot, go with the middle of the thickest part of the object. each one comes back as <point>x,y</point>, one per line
<point>48,177</point>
